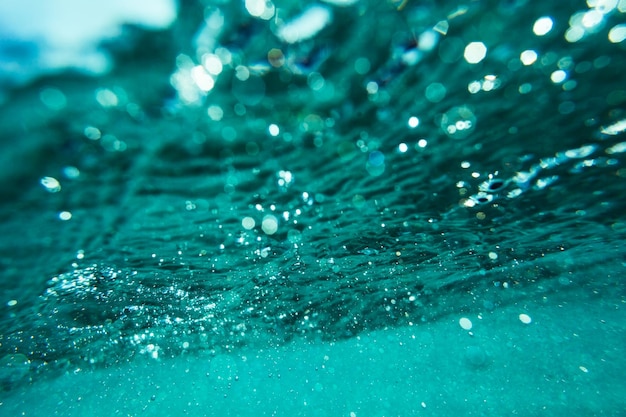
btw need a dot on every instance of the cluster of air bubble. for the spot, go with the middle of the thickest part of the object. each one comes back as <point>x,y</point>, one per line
<point>540,175</point>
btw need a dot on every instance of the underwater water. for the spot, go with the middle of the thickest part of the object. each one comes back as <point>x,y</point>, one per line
<point>339,208</point>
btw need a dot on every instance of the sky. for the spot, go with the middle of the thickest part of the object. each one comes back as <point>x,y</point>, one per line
<point>43,36</point>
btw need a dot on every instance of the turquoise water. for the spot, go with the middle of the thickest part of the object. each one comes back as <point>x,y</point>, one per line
<point>366,209</point>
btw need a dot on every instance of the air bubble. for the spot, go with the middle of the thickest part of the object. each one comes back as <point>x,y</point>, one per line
<point>482,198</point>
<point>491,186</point>
<point>269,224</point>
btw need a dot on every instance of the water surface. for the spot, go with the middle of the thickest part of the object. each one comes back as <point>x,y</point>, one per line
<point>374,208</point>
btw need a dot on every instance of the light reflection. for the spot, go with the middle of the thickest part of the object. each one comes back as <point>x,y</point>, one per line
<point>341,3</point>
<point>305,26</point>
<point>475,52</point>
<point>458,122</point>
<point>545,182</point>
<point>263,9</point>
<point>542,26</point>
<point>248,223</point>
<point>212,63</point>
<point>269,225</point>
<point>242,72</point>
<point>65,215</point>
<point>428,40</point>
<point>528,57</point>
<point>285,178</point>
<point>202,78</point>
<point>617,33</point>
<point>591,19</point>
<point>605,6</point>
<point>615,129</point>
<point>185,85</point>
<point>92,133</point>
<point>106,97</point>
<point>617,148</point>
<point>372,87</point>
<point>51,184</point>
<point>273,129</point>
<point>558,76</point>
<point>491,82</point>
<point>442,27</point>
<point>474,87</point>
<point>488,83</point>
<point>215,112</point>
<point>582,152</point>
<point>574,34</point>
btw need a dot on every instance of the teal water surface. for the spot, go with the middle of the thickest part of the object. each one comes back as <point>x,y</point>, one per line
<point>417,209</point>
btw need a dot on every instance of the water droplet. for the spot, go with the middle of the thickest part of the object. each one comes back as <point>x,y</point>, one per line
<point>248,223</point>
<point>465,323</point>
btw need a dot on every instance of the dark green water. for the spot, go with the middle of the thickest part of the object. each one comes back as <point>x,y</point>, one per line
<point>306,237</point>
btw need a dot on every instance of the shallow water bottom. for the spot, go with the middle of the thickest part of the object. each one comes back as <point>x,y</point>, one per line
<point>568,359</point>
